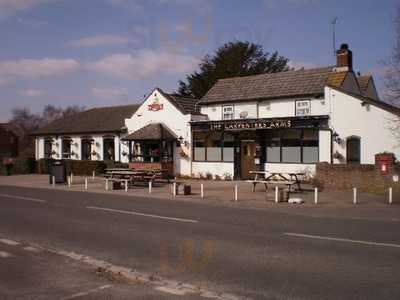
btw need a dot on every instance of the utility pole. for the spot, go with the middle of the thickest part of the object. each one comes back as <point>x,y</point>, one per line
<point>334,22</point>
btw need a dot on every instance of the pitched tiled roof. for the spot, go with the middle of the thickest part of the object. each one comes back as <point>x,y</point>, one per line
<point>363,81</point>
<point>154,131</point>
<point>336,79</point>
<point>185,105</point>
<point>95,120</point>
<point>269,86</point>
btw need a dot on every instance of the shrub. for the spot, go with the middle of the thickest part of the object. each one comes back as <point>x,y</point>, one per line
<point>209,176</point>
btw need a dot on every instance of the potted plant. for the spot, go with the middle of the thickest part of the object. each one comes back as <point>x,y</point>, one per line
<point>337,155</point>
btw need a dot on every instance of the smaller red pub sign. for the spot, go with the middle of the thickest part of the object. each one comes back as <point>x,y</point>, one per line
<point>156,105</point>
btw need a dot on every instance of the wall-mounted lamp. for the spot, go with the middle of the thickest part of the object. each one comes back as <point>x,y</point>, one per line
<point>179,141</point>
<point>336,138</point>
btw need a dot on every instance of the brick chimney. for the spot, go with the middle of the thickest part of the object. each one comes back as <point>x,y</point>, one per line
<point>344,59</point>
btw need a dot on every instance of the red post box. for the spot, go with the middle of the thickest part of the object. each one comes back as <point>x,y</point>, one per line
<point>384,162</point>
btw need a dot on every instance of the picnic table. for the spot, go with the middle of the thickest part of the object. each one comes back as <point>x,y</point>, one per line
<point>283,178</point>
<point>130,176</point>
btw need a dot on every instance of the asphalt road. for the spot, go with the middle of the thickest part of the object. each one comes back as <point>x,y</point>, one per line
<point>250,253</point>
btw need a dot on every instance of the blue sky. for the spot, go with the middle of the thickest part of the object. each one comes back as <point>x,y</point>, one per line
<point>110,52</point>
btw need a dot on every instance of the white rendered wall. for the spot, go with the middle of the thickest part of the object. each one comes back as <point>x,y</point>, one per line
<point>267,109</point>
<point>370,123</point>
<point>171,117</point>
<point>76,147</point>
<point>215,168</point>
<point>325,146</point>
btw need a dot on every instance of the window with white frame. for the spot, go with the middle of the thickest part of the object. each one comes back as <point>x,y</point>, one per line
<point>303,108</point>
<point>227,112</point>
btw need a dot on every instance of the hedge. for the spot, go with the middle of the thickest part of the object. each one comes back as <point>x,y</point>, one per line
<point>19,166</point>
<point>23,166</point>
<point>84,167</point>
<point>43,166</point>
<point>4,169</point>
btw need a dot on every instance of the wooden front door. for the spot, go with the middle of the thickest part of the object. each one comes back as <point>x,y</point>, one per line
<point>248,149</point>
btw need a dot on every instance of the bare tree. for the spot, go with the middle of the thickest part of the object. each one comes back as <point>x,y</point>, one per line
<point>25,122</point>
<point>392,76</point>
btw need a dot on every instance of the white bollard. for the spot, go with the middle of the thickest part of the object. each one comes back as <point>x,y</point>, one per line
<point>69,181</point>
<point>354,195</point>
<point>94,174</point>
<point>390,195</point>
<point>126,185</point>
<point>236,193</point>
<point>276,194</point>
<point>150,186</point>
<point>86,183</point>
<point>202,191</point>
<point>106,184</point>
<point>72,178</point>
<point>316,195</point>
<point>53,181</point>
<point>174,189</point>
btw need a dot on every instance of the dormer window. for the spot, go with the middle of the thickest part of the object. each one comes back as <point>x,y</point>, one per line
<point>227,112</point>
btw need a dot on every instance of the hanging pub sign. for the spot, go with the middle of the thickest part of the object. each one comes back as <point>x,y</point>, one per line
<point>156,105</point>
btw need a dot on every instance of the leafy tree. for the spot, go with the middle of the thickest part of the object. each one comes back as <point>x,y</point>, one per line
<point>231,60</point>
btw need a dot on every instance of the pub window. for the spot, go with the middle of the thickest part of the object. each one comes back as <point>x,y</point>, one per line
<point>199,150</point>
<point>213,145</point>
<point>227,112</point>
<point>48,149</point>
<point>273,148</point>
<point>353,149</point>
<point>109,149</point>
<point>310,146</point>
<point>291,146</point>
<point>66,148</point>
<point>228,147</point>
<point>86,145</point>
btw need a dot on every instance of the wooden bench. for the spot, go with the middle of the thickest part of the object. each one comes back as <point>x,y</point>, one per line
<point>119,180</point>
<point>273,182</point>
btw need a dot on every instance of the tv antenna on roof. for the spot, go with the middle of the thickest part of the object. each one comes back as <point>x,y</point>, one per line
<point>334,22</point>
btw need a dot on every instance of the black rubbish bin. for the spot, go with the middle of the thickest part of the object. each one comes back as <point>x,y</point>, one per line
<point>57,171</point>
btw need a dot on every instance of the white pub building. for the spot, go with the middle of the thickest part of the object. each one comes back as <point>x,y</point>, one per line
<point>283,122</point>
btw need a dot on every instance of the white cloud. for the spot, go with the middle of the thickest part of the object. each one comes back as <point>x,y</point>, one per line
<point>138,6</point>
<point>99,40</point>
<point>145,64</point>
<point>31,93</point>
<point>36,68</point>
<point>11,7</point>
<point>110,93</point>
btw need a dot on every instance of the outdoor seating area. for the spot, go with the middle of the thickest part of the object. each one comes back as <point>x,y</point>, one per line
<point>277,179</point>
<point>128,177</point>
